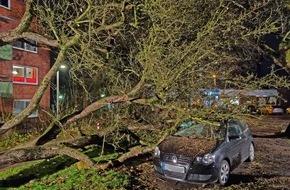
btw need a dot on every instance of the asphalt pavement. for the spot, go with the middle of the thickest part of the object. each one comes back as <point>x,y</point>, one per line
<point>270,123</point>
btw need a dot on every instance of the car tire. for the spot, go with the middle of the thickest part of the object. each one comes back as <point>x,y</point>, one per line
<point>251,153</point>
<point>224,173</point>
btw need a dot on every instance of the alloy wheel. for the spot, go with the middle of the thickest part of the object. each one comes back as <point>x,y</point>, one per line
<point>224,172</point>
<point>251,153</point>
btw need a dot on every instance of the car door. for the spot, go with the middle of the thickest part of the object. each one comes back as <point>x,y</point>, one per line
<point>235,143</point>
<point>247,140</point>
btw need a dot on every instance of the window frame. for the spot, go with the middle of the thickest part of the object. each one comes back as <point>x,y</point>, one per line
<point>25,77</point>
<point>25,104</point>
<point>8,6</point>
<point>25,46</point>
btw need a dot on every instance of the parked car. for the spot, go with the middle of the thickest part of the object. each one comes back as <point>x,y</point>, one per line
<point>288,110</point>
<point>265,110</point>
<point>277,110</point>
<point>204,153</point>
<point>270,109</point>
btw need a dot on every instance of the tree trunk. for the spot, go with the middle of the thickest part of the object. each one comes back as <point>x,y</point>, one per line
<point>55,127</point>
<point>40,152</point>
<point>29,152</point>
<point>88,140</point>
<point>134,152</point>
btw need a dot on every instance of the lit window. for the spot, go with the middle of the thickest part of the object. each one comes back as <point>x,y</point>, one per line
<point>20,105</point>
<point>5,3</point>
<point>18,74</point>
<point>26,75</point>
<point>27,45</point>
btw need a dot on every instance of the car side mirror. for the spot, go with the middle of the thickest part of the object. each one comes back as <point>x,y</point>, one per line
<point>234,137</point>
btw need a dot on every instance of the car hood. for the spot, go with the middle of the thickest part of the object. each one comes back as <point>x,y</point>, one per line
<point>187,146</point>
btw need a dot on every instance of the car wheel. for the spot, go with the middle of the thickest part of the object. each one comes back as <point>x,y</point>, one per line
<point>224,173</point>
<point>251,153</point>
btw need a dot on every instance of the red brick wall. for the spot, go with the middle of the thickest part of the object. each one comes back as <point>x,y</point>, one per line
<point>17,9</point>
<point>41,59</point>
<point>5,70</point>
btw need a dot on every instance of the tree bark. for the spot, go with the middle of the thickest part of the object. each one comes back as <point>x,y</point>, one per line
<point>134,152</point>
<point>88,140</point>
<point>40,152</point>
<point>29,152</point>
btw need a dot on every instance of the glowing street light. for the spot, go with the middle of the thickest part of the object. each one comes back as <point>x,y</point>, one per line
<point>58,96</point>
<point>214,80</point>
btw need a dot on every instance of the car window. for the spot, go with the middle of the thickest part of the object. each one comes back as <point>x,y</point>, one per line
<point>186,124</point>
<point>199,130</point>
<point>243,125</point>
<point>234,129</point>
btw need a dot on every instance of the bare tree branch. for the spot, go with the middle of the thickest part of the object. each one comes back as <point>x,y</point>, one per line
<point>23,25</point>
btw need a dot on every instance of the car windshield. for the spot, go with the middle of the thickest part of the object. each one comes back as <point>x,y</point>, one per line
<point>194,129</point>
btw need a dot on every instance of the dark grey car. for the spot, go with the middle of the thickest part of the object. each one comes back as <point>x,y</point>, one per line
<point>204,153</point>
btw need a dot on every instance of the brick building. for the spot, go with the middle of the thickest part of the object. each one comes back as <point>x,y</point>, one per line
<point>23,65</point>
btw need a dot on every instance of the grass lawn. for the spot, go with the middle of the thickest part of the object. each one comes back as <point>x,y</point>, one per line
<point>62,173</point>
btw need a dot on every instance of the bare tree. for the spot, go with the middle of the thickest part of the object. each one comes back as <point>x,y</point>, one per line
<point>150,57</point>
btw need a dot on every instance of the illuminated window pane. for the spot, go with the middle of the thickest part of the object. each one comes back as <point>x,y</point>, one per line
<point>31,75</point>
<point>18,74</point>
<point>26,75</point>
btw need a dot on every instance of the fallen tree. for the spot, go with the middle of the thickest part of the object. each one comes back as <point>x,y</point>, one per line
<point>149,60</point>
<point>41,152</point>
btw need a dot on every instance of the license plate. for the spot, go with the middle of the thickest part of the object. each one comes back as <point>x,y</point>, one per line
<point>172,168</point>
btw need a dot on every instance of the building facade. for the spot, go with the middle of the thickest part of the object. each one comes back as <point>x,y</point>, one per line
<point>23,65</point>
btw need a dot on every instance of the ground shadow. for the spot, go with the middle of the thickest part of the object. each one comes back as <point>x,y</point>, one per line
<point>46,167</point>
<point>236,179</point>
<point>273,136</point>
<point>285,134</point>
<point>277,135</point>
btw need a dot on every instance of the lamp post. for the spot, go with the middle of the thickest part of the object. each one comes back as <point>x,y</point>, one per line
<point>57,89</point>
<point>214,80</point>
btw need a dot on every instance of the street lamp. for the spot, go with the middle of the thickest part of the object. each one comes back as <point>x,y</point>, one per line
<point>214,80</point>
<point>57,89</point>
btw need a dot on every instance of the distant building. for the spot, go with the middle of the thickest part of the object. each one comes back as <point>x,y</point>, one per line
<point>225,97</point>
<point>23,65</point>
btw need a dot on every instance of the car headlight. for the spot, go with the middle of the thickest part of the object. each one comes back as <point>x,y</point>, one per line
<point>208,159</point>
<point>157,152</point>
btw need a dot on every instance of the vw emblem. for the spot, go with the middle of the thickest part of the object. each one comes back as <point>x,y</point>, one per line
<point>174,159</point>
